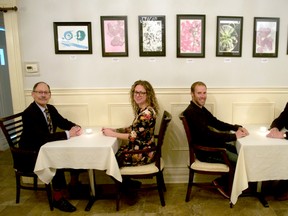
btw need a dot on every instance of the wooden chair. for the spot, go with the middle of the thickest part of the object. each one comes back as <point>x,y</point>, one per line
<point>152,170</point>
<point>23,160</point>
<point>196,166</point>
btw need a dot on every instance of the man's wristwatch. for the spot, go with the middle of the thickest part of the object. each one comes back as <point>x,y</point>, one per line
<point>284,135</point>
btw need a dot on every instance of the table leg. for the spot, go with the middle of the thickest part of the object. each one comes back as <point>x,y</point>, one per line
<point>90,203</point>
<point>94,196</point>
<point>92,186</point>
<point>256,192</point>
<point>262,199</point>
<point>118,192</point>
<point>92,181</point>
<point>260,195</point>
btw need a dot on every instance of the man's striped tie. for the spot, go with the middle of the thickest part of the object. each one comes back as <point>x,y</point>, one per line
<point>49,121</point>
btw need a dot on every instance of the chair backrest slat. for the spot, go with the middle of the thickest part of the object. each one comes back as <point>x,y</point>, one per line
<point>12,127</point>
<point>166,118</point>
<point>186,127</point>
<point>189,137</point>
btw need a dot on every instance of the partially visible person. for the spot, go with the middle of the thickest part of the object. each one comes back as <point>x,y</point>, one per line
<point>40,128</point>
<point>138,136</point>
<point>207,130</point>
<point>278,124</point>
<point>278,130</point>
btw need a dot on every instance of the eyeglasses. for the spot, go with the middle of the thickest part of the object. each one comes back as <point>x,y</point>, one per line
<point>139,93</point>
<point>42,92</point>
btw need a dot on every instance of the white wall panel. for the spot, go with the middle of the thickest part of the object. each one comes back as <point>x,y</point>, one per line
<point>120,115</point>
<point>77,113</point>
<point>253,113</point>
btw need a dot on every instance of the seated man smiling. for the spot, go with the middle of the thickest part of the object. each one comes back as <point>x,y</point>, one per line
<point>207,130</point>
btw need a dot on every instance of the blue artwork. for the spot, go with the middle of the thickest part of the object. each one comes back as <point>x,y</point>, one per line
<point>73,37</point>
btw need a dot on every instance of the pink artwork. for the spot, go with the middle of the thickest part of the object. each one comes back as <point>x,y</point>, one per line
<point>265,39</point>
<point>114,36</point>
<point>190,36</point>
<point>266,36</point>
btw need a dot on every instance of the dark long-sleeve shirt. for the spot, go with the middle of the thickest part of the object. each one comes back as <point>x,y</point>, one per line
<point>281,121</point>
<point>207,130</point>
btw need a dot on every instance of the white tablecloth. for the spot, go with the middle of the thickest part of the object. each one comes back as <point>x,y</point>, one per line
<point>88,151</point>
<point>259,159</point>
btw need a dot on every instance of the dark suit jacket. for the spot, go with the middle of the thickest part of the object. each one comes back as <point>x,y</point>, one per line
<point>35,130</point>
<point>282,120</point>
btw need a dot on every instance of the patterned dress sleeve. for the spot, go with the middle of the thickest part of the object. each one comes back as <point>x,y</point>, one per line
<point>141,137</point>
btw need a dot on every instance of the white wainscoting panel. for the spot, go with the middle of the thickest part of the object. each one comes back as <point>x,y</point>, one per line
<point>120,114</point>
<point>77,113</point>
<point>253,113</point>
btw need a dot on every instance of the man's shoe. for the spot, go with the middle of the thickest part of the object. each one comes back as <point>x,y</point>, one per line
<point>220,189</point>
<point>64,205</point>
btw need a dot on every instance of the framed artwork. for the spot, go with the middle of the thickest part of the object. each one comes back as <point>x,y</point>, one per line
<point>265,37</point>
<point>229,36</point>
<point>191,36</point>
<point>72,37</point>
<point>152,35</point>
<point>114,36</point>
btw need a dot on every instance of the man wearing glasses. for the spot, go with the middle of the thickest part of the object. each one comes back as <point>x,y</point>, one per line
<point>40,121</point>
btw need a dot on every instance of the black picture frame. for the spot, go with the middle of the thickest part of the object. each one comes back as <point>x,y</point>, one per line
<point>266,37</point>
<point>229,36</point>
<point>114,36</point>
<point>191,36</point>
<point>72,37</point>
<point>152,36</point>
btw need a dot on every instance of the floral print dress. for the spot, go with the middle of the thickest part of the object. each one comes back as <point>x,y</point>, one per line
<point>141,136</point>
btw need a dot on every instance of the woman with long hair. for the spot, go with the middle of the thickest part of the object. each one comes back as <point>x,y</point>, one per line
<point>140,135</point>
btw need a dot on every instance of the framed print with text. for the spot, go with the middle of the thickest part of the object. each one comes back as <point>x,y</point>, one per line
<point>152,36</point>
<point>191,36</point>
<point>229,36</point>
<point>265,37</point>
<point>114,36</point>
<point>72,37</point>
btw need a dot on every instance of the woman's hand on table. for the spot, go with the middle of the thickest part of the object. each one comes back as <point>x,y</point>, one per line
<point>108,132</point>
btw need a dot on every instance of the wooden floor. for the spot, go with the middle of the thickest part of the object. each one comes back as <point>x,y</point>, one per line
<point>203,202</point>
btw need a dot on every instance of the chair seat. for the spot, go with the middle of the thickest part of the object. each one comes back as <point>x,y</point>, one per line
<point>141,170</point>
<point>211,167</point>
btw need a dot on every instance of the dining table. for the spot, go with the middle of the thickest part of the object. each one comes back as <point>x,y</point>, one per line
<point>91,150</point>
<point>260,158</point>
